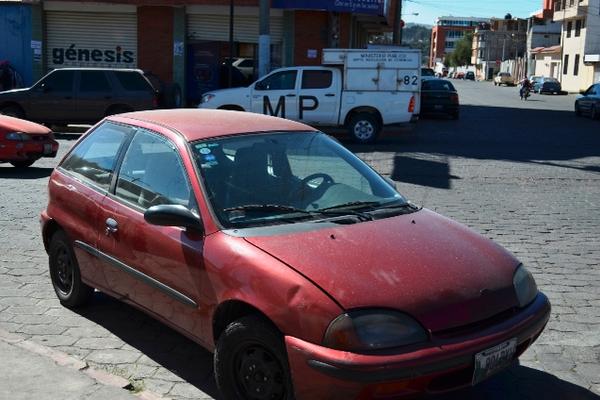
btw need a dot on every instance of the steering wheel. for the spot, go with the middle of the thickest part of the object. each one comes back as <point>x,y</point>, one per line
<point>316,191</point>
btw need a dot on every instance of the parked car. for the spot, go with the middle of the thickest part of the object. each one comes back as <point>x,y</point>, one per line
<point>451,75</point>
<point>80,95</point>
<point>23,142</point>
<point>459,75</point>
<point>245,233</point>
<point>504,78</point>
<point>534,78</point>
<point>547,85</point>
<point>589,102</point>
<point>439,96</point>
<point>470,75</point>
<point>427,73</point>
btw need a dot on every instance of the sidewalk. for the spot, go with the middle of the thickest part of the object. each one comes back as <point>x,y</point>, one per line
<point>31,371</point>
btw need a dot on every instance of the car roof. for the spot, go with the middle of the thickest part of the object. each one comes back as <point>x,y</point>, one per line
<point>98,69</point>
<point>196,124</point>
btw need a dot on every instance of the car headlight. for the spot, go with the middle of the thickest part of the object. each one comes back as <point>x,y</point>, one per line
<point>374,329</point>
<point>524,285</point>
<point>206,98</point>
<point>18,136</point>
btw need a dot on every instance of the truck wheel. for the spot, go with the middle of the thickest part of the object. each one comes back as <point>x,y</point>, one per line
<point>22,163</point>
<point>364,127</point>
<point>13,111</point>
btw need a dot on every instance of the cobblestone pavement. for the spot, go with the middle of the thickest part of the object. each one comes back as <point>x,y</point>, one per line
<point>526,174</point>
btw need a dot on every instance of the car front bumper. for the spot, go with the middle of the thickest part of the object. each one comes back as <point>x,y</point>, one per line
<point>447,364</point>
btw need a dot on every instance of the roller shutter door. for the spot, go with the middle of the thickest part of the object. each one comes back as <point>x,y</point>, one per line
<point>216,28</point>
<point>91,39</point>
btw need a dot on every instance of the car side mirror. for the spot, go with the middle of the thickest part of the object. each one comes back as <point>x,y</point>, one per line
<point>173,215</point>
<point>260,85</point>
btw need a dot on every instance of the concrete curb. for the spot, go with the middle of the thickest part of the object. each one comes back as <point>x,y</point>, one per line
<point>65,360</point>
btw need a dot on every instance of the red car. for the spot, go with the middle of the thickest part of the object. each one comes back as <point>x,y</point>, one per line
<point>267,242</point>
<point>22,142</point>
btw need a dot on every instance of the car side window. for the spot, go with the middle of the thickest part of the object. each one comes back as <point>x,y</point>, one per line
<point>152,173</point>
<point>284,80</point>
<point>94,81</point>
<point>94,158</point>
<point>59,81</point>
<point>132,81</point>
<point>316,79</point>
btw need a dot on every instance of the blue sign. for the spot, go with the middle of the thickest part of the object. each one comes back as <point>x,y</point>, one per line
<point>372,7</point>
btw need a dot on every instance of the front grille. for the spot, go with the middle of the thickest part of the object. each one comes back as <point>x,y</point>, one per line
<point>474,327</point>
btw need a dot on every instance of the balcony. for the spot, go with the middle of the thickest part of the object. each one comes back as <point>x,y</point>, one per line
<point>567,9</point>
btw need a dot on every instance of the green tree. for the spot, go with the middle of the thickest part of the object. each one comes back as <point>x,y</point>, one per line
<point>462,52</point>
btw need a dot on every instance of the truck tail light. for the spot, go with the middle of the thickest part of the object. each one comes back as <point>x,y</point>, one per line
<point>411,105</point>
<point>454,98</point>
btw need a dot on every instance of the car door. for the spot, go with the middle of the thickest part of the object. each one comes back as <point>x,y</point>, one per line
<point>159,268</point>
<point>277,94</point>
<point>93,95</point>
<point>52,98</point>
<point>82,183</point>
<point>319,97</point>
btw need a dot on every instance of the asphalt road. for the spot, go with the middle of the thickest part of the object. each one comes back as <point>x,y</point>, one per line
<point>526,174</point>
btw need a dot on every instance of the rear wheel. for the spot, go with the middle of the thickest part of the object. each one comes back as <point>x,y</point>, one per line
<point>12,111</point>
<point>364,127</point>
<point>22,163</point>
<point>64,273</point>
<point>250,362</point>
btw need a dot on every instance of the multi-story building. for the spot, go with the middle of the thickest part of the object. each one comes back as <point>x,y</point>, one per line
<point>446,32</point>
<point>496,42</point>
<point>580,40</point>
<point>543,42</point>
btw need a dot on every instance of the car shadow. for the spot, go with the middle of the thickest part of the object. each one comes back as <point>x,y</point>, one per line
<point>166,347</point>
<point>10,172</point>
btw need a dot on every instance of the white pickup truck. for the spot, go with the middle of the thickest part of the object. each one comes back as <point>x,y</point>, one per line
<point>362,90</point>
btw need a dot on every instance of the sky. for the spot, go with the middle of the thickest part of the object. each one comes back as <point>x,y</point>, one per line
<point>429,10</point>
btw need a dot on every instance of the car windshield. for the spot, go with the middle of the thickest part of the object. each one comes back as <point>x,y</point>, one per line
<point>286,177</point>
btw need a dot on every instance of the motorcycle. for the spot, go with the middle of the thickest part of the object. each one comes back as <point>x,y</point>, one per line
<point>525,93</point>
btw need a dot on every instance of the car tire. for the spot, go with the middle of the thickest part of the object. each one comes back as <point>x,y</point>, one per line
<point>250,360</point>
<point>13,111</point>
<point>172,96</point>
<point>364,128</point>
<point>22,163</point>
<point>65,274</point>
<point>595,112</point>
<point>577,110</point>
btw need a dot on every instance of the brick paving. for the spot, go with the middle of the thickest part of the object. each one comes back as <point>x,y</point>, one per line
<point>527,175</point>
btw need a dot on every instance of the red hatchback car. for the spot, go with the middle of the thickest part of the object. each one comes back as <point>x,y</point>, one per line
<point>267,242</point>
<point>22,142</point>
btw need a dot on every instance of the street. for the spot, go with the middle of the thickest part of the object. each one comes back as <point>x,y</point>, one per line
<point>525,174</point>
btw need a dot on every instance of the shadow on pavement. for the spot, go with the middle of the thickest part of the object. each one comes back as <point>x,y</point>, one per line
<point>488,133</point>
<point>24,173</point>
<point>164,346</point>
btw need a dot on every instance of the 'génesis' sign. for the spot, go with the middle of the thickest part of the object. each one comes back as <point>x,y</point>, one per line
<point>89,56</point>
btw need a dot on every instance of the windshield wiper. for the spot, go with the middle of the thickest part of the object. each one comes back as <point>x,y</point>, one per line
<point>350,204</point>
<point>276,207</point>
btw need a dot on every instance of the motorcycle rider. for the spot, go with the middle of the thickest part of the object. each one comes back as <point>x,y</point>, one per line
<point>526,87</point>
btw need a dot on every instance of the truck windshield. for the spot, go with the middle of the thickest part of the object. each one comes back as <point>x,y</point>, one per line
<point>285,177</point>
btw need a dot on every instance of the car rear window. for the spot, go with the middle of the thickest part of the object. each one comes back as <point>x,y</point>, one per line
<point>316,79</point>
<point>437,85</point>
<point>132,81</point>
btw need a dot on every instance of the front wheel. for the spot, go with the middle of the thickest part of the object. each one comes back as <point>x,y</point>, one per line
<point>364,127</point>
<point>22,163</point>
<point>64,273</point>
<point>13,111</point>
<point>250,362</point>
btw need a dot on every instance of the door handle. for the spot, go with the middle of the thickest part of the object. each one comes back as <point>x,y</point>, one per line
<point>112,226</point>
<point>330,94</point>
<point>290,95</point>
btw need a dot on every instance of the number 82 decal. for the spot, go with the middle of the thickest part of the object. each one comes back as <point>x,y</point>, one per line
<point>409,80</point>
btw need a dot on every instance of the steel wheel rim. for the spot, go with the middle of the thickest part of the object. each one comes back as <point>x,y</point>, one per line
<point>363,130</point>
<point>64,271</point>
<point>258,374</point>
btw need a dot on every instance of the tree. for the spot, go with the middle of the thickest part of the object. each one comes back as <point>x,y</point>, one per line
<point>462,52</point>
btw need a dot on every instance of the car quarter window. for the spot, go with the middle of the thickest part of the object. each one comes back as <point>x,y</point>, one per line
<point>284,80</point>
<point>59,81</point>
<point>132,81</point>
<point>152,173</point>
<point>95,157</point>
<point>94,81</point>
<point>316,79</point>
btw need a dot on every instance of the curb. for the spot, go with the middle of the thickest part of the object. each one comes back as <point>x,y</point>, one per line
<point>65,360</point>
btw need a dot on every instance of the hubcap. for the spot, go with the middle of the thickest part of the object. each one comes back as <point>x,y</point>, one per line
<point>64,271</point>
<point>259,374</point>
<point>363,130</point>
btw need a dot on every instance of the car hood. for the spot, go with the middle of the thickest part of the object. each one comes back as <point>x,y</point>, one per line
<point>11,124</point>
<point>426,265</point>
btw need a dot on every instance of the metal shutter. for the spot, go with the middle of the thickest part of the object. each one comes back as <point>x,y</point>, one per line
<point>245,30</point>
<point>94,38</point>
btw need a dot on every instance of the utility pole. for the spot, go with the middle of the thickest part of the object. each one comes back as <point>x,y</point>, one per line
<point>264,39</point>
<point>397,36</point>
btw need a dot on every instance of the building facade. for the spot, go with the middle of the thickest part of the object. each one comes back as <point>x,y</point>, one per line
<point>446,32</point>
<point>580,39</point>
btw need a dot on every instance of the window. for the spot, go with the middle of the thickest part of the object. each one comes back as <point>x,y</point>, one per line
<point>576,65</point>
<point>317,79</point>
<point>94,81</point>
<point>578,28</point>
<point>284,80</point>
<point>152,173</point>
<point>94,158</point>
<point>449,45</point>
<point>132,81</point>
<point>569,27</point>
<point>566,65</point>
<point>59,81</point>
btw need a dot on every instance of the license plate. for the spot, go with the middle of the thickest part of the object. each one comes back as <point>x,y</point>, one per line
<point>47,148</point>
<point>493,360</point>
